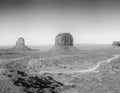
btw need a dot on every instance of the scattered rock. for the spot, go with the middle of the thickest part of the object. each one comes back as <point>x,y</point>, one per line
<point>20,45</point>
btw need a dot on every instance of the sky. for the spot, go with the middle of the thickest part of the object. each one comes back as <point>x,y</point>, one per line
<point>39,21</point>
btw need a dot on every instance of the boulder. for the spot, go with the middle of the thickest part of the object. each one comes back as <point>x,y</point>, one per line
<point>64,39</point>
<point>20,45</point>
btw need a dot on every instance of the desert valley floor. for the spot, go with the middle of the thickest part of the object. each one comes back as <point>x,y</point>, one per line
<point>82,69</point>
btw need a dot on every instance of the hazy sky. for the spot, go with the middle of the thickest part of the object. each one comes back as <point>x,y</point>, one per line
<point>39,21</point>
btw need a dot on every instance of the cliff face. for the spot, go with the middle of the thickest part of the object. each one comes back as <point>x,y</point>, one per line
<point>20,45</point>
<point>64,39</point>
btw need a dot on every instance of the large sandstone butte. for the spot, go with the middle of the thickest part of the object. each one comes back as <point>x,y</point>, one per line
<point>64,39</point>
<point>64,44</point>
<point>20,45</point>
<point>116,43</point>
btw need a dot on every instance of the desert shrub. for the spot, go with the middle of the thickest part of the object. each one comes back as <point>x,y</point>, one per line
<point>33,84</point>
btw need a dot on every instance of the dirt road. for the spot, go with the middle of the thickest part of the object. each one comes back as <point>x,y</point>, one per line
<point>93,69</point>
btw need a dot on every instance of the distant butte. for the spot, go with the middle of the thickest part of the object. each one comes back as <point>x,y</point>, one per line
<point>116,43</point>
<point>20,45</point>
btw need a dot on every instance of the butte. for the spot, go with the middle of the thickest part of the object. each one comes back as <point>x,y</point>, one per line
<point>20,45</point>
<point>64,43</point>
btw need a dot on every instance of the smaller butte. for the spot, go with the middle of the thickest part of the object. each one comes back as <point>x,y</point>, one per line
<point>20,45</point>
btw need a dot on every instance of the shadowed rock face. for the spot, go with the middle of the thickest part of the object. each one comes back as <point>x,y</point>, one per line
<point>20,45</point>
<point>64,39</point>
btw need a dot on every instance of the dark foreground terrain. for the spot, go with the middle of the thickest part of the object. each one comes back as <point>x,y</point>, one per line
<point>20,71</point>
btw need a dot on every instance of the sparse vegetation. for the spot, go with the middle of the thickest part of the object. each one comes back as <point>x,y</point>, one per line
<point>15,77</point>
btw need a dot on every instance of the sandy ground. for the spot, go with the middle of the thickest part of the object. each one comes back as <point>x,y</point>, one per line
<point>85,79</point>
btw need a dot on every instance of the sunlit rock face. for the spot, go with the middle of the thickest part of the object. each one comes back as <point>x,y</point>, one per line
<point>20,45</point>
<point>64,39</point>
<point>116,43</point>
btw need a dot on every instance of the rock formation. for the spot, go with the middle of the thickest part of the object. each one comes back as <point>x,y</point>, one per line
<point>116,43</point>
<point>64,39</point>
<point>20,45</point>
<point>64,44</point>
<point>20,42</point>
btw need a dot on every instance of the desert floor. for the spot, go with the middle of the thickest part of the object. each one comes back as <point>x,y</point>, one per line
<point>90,69</point>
